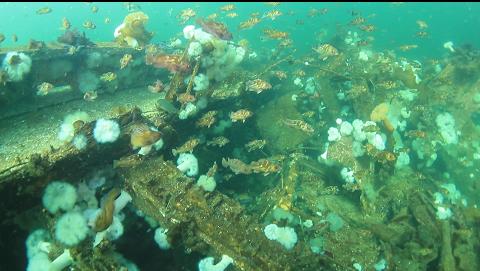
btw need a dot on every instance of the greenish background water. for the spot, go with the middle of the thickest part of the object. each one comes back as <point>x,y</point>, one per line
<point>395,22</point>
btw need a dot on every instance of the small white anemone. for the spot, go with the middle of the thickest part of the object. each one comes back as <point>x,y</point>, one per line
<point>80,141</point>
<point>161,238</point>
<point>188,31</point>
<point>117,33</point>
<point>207,183</point>
<point>195,49</point>
<point>333,134</point>
<point>188,163</point>
<point>106,131</point>
<point>67,129</point>
<point>449,45</point>
<point>16,65</point>
<point>206,264</point>
<point>286,236</point>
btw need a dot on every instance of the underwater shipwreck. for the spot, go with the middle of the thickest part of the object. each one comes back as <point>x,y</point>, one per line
<point>206,154</point>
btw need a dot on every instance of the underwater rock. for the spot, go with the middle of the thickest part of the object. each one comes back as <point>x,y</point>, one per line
<point>217,29</point>
<point>74,38</point>
<point>281,137</point>
<point>475,116</point>
<point>173,63</point>
<point>35,44</point>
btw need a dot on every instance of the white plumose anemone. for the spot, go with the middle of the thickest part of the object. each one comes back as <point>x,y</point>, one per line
<point>188,164</point>
<point>106,131</point>
<point>16,65</point>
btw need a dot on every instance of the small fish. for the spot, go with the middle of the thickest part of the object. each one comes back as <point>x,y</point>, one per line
<point>386,156</point>
<point>212,170</point>
<point>240,115</point>
<point>131,7</point>
<point>105,218</point>
<point>368,28</point>
<point>212,16</point>
<point>184,98</point>
<point>65,23</point>
<point>108,77</point>
<point>157,87</point>
<point>142,136</point>
<point>371,128</point>
<point>243,43</point>
<point>308,114</point>
<point>421,34</point>
<point>218,29</point>
<point>299,124</point>
<point>125,60</point>
<point>186,147</point>
<point>2,37</point>
<point>44,88</point>
<point>219,141</point>
<point>326,50</point>
<point>107,20</point>
<point>272,14</point>
<point>237,166</point>
<point>186,14</point>
<point>228,7</point>
<point>416,134</point>
<point>232,15</point>
<point>128,161</point>
<point>313,12</point>
<point>73,50</point>
<point>207,120</point>
<point>355,13</point>
<point>275,34</point>
<point>422,24</point>
<point>273,4</point>
<point>286,43</point>
<point>280,74</point>
<point>362,43</point>
<point>249,23</point>
<point>257,144</point>
<point>357,20</point>
<point>90,96</point>
<point>264,166</point>
<point>94,9</point>
<point>258,85</point>
<point>89,25</point>
<point>387,84</point>
<point>44,10</point>
<point>409,47</point>
<point>173,63</point>
<point>300,73</point>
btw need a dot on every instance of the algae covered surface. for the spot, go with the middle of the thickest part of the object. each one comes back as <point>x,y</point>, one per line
<point>240,136</point>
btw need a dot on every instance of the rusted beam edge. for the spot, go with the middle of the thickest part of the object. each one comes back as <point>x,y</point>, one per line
<point>53,47</point>
<point>72,163</point>
<point>67,160</point>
